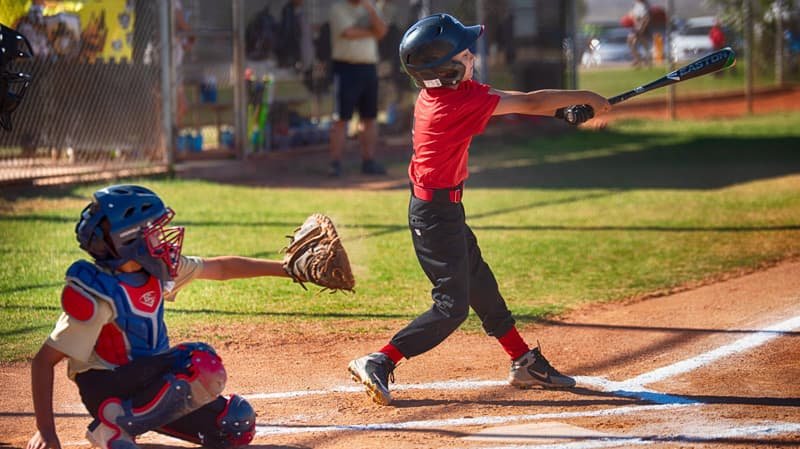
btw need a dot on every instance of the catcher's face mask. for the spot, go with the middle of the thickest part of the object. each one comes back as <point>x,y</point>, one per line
<point>165,243</point>
<point>12,84</point>
<point>129,222</point>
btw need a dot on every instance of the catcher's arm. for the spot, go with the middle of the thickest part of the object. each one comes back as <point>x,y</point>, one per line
<point>235,267</point>
<point>42,375</point>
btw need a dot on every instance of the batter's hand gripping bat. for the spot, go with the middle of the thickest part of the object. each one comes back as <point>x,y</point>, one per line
<point>718,60</point>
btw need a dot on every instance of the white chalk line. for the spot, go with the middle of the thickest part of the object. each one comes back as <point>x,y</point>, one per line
<point>765,430</point>
<point>633,388</point>
<point>761,431</point>
<point>262,429</point>
<point>444,385</point>
<point>743,344</point>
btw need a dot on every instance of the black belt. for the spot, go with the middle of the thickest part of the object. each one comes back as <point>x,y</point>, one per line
<point>451,195</point>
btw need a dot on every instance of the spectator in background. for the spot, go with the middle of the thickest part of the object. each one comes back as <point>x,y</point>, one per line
<point>356,29</point>
<point>717,37</point>
<point>640,36</point>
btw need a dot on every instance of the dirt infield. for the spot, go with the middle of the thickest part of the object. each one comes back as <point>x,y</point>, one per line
<point>711,367</point>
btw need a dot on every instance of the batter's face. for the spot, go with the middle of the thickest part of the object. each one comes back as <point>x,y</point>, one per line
<point>468,59</point>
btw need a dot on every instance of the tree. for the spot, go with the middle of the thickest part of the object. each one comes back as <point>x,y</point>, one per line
<point>765,23</point>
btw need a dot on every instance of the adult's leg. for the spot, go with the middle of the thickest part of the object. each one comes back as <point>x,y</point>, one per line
<point>646,41</point>
<point>368,138</point>
<point>633,45</point>
<point>368,112</point>
<point>343,106</point>
<point>368,109</point>
<point>338,136</point>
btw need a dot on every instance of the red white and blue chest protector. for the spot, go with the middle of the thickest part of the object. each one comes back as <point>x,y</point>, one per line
<point>137,329</point>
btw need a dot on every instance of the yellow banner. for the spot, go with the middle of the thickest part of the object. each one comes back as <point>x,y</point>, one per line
<point>85,30</point>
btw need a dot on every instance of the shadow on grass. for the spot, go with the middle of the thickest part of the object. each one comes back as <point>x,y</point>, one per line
<point>612,160</point>
<point>607,159</point>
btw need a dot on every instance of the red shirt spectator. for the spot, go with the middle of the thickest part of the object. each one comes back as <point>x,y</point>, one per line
<point>717,36</point>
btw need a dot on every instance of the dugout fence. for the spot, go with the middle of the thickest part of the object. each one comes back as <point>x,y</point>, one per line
<point>95,106</point>
<point>130,87</point>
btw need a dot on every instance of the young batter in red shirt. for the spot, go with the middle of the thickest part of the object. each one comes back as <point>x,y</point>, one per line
<point>452,108</point>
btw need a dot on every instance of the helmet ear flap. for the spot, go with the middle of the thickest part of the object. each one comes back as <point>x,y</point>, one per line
<point>91,235</point>
<point>98,246</point>
<point>453,73</point>
<point>444,75</point>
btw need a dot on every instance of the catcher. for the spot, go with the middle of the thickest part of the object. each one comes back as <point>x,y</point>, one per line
<point>113,334</point>
<point>452,108</point>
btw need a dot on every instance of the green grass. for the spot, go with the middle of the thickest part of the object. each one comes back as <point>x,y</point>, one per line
<point>610,81</point>
<point>563,220</point>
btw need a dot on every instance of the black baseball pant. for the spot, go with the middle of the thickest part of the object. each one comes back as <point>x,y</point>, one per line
<point>448,253</point>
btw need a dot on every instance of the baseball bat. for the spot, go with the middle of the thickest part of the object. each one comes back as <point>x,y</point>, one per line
<point>718,60</point>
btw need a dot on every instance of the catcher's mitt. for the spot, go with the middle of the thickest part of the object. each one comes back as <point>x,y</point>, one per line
<point>315,254</point>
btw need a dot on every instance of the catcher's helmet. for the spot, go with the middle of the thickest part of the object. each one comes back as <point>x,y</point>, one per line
<point>428,48</point>
<point>12,84</point>
<point>128,222</point>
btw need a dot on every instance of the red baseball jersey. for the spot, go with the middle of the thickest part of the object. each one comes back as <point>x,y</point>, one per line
<point>445,121</point>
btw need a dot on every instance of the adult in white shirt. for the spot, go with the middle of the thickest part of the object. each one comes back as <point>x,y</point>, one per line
<point>640,37</point>
<point>356,28</point>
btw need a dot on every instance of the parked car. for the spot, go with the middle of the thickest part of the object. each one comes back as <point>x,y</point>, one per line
<point>691,40</point>
<point>609,46</point>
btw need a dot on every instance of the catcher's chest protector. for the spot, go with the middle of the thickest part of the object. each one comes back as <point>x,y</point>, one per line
<point>138,327</point>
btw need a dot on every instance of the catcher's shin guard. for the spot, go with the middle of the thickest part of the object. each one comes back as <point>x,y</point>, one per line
<point>105,433</point>
<point>200,379</point>
<point>225,423</point>
<point>236,426</point>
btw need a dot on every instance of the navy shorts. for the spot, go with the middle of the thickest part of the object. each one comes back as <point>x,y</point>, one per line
<point>355,87</point>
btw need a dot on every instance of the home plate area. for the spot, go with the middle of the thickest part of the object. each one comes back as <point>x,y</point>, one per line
<point>716,367</point>
<point>714,413</point>
<point>684,417</point>
<point>537,433</point>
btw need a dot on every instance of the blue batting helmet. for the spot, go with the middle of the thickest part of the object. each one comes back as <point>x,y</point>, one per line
<point>428,48</point>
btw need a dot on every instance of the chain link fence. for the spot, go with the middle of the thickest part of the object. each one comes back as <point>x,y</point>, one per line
<point>94,106</point>
<point>97,108</point>
<point>615,55</point>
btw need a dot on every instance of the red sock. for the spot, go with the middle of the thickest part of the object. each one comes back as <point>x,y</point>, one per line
<point>513,344</point>
<point>392,352</point>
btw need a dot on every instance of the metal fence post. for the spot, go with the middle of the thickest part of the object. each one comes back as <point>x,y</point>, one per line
<point>239,94</point>
<point>671,90</point>
<point>779,7</point>
<point>167,80</point>
<point>571,44</point>
<point>748,53</point>
<point>483,53</point>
